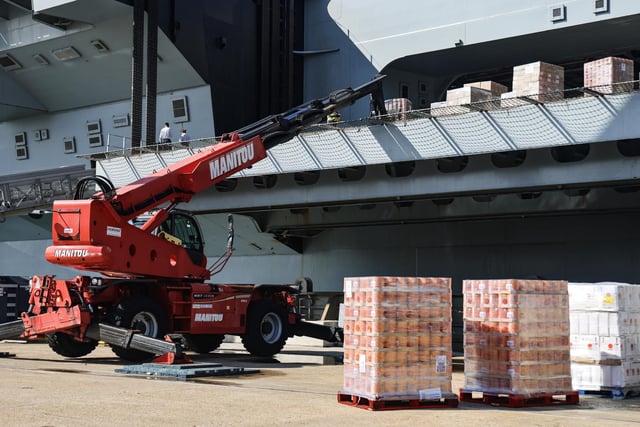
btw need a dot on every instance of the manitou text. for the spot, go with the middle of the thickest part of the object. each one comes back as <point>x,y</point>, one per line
<point>238,158</point>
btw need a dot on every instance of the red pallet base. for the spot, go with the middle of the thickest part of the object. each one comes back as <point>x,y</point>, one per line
<point>391,405</point>
<point>520,400</point>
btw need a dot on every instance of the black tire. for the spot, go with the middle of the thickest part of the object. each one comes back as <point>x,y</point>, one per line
<point>141,314</point>
<point>267,328</point>
<point>65,345</point>
<point>204,343</point>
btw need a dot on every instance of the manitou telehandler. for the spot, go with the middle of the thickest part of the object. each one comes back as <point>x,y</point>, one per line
<point>153,278</point>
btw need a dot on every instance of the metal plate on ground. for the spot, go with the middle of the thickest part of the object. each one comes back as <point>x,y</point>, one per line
<point>185,371</point>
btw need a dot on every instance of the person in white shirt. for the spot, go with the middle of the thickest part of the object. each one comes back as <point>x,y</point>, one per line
<point>165,134</point>
<point>184,137</point>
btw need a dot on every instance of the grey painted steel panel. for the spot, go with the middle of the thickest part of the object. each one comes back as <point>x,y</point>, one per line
<point>587,248</point>
<point>603,165</point>
<point>428,27</point>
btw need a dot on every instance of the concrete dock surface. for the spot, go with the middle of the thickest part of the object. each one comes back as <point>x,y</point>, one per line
<point>298,387</point>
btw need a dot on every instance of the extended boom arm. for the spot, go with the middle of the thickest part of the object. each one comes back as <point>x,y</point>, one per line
<point>240,149</point>
<point>97,235</point>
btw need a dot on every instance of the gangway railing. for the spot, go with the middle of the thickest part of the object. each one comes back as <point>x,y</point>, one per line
<point>570,117</point>
<point>119,145</point>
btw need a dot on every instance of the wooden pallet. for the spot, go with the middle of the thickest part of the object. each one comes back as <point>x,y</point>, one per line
<point>448,401</point>
<point>520,400</point>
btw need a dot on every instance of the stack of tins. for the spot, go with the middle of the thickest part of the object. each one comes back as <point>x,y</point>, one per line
<point>397,337</point>
<point>516,336</point>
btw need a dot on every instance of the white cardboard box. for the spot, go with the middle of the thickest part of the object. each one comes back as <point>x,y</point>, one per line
<point>585,347</point>
<point>593,377</point>
<point>596,296</point>
<point>625,348</point>
<point>604,323</point>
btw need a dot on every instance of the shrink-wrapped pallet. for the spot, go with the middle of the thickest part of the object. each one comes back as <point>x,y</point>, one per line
<point>516,336</point>
<point>606,75</point>
<point>467,95</point>
<point>397,337</point>
<point>605,336</point>
<point>398,107</point>
<point>539,80</point>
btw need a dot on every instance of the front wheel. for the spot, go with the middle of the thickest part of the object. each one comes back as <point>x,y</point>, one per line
<point>65,345</point>
<point>267,328</point>
<point>142,315</point>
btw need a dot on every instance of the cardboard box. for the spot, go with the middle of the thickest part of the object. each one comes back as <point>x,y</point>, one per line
<point>496,89</point>
<point>585,347</point>
<point>398,107</point>
<point>626,348</point>
<point>593,377</point>
<point>467,95</point>
<point>440,108</point>
<point>605,75</point>
<point>603,296</point>
<point>511,100</point>
<point>539,80</point>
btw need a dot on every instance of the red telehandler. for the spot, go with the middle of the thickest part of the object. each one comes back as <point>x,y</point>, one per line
<point>153,283</point>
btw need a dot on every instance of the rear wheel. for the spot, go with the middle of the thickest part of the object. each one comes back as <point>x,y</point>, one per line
<point>267,328</point>
<point>143,315</point>
<point>65,345</point>
<point>204,343</point>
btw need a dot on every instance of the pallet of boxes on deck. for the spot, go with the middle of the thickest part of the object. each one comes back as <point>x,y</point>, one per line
<point>398,107</point>
<point>438,109</point>
<point>606,75</point>
<point>605,338</point>
<point>516,343</point>
<point>539,81</point>
<point>510,100</point>
<point>496,89</point>
<point>397,343</point>
<point>468,95</point>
